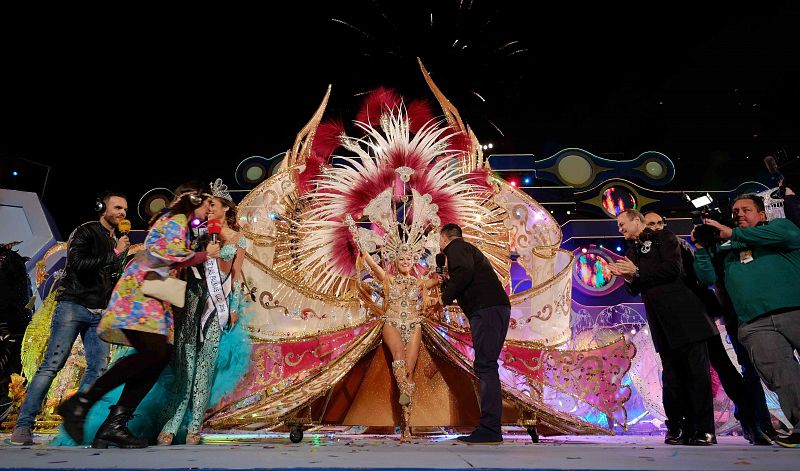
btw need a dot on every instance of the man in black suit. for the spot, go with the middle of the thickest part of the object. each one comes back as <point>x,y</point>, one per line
<point>678,324</point>
<point>473,283</point>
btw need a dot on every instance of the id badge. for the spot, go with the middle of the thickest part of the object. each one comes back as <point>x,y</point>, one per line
<point>746,256</point>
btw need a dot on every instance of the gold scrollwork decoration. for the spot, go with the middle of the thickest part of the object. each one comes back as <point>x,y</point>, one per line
<point>270,302</point>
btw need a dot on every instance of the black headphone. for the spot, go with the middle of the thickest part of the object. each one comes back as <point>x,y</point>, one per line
<point>100,204</point>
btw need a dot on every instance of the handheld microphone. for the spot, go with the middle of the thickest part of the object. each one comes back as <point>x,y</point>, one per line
<point>124,226</point>
<point>214,229</point>
<point>440,259</point>
<point>772,166</point>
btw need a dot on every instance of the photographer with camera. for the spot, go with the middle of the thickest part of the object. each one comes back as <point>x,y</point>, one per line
<point>761,266</point>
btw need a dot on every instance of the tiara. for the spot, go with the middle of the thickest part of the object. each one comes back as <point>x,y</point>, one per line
<point>220,190</point>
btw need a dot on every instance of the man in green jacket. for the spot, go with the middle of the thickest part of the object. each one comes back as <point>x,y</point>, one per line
<point>761,265</point>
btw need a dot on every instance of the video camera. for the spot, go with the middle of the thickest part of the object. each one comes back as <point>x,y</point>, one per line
<point>774,163</point>
<point>705,208</point>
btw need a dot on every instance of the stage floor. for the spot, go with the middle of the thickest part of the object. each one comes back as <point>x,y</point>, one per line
<point>340,451</point>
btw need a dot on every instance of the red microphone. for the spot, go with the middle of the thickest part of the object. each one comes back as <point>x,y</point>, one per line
<point>214,228</point>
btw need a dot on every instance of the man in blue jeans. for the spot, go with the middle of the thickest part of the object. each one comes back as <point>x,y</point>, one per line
<point>94,256</point>
<point>471,281</point>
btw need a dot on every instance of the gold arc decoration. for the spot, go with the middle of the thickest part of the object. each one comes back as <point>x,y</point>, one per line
<point>301,149</point>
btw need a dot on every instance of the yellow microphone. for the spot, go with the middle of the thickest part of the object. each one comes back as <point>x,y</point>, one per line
<point>124,227</point>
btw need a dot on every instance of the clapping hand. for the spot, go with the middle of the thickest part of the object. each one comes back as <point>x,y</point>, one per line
<point>623,267</point>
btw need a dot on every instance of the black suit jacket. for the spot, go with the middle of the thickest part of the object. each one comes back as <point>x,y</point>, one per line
<point>473,281</point>
<point>675,314</point>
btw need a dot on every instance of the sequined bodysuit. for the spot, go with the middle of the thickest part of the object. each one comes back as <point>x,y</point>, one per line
<point>403,309</point>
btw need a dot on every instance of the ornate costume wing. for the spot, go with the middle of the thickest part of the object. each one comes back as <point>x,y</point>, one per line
<point>390,184</point>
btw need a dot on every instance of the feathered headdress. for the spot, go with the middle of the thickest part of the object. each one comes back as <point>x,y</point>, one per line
<point>393,195</point>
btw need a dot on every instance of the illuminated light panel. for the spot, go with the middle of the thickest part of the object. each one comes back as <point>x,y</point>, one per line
<point>592,271</point>
<point>617,199</point>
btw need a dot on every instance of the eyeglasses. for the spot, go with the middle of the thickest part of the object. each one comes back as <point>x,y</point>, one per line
<point>656,223</point>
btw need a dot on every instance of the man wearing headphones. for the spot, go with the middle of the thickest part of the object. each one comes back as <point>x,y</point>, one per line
<point>93,257</point>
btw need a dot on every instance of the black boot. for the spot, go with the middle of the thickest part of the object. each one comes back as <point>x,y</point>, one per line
<point>74,411</point>
<point>114,431</point>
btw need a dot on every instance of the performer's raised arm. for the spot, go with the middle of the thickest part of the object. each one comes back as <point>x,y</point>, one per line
<point>376,269</point>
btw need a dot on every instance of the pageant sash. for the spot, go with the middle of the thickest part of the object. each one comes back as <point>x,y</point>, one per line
<point>216,294</point>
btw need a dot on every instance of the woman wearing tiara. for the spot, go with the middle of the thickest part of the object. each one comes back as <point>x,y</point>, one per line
<point>213,307</point>
<point>202,370</point>
<point>404,294</point>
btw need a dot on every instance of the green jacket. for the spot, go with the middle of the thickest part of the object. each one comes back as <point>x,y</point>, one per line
<point>770,282</point>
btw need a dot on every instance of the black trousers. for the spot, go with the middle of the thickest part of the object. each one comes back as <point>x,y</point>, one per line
<point>138,371</point>
<point>13,364</point>
<point>686,382</point>
<point>732,381</point>
<point>489,328</point>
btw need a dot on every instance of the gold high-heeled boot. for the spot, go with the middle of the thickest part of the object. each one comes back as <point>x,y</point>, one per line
<point>405,434</point>
<point>399,369</point>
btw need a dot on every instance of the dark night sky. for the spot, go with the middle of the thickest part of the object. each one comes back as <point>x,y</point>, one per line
<point>152,98</point>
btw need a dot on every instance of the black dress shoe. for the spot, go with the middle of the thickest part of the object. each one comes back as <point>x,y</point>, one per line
<point>755,435</point>
<point>770,431</point>
<point>686,436</point>
<point>703,439</point>
<point>673,437</point>
<point>481,437</point>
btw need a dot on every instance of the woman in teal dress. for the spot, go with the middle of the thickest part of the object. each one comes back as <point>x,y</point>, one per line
<point>207,318</point>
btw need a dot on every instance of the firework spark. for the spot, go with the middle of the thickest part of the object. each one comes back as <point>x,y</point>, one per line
<point>336,20</point>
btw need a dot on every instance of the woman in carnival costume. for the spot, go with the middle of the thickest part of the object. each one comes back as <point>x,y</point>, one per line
<point>405,295</point>
<point>145,323</point>
<point>402,157</point>
<point>213,304</point>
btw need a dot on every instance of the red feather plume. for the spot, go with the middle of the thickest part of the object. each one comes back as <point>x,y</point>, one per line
<point>460,142</point>
<point>419,114</point>
<point>327,138</point>
<point>376,103</point>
